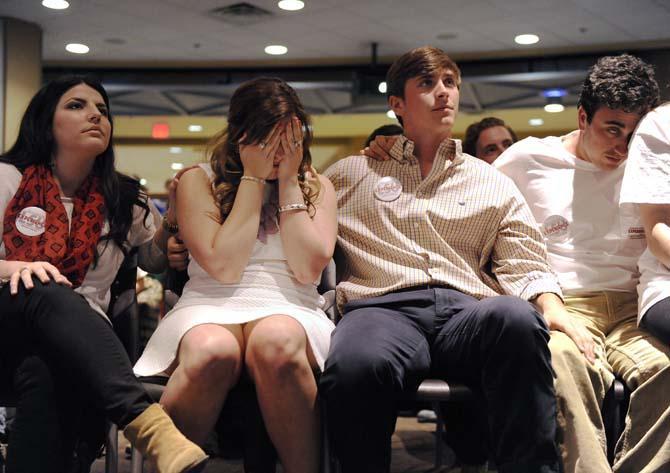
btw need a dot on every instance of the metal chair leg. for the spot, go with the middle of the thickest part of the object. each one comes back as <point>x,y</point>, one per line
<point>439,435</point>
<point>112,449</point>
<point>136,461</point>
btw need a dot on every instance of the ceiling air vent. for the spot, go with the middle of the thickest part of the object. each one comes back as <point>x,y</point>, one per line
<point>241,14</point>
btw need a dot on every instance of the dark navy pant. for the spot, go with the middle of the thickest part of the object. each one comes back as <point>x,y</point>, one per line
<point>389,344</point>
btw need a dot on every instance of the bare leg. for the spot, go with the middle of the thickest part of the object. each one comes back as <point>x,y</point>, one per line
<point>281,364</point>
<point>209,364</point>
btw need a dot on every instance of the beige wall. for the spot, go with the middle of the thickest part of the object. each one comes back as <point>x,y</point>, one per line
<point>335,136</point>
<point>22,66</point>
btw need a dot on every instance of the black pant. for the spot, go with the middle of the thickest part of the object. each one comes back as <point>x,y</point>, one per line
<point>39,441</point>
<point>53,345</point>
<point>657,320</point>
<point>497,346</point>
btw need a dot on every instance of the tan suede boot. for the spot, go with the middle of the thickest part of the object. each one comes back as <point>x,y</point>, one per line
<point>157,438</point>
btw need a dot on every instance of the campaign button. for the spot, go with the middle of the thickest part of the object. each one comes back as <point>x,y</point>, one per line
<point>30,221</point>
<point>388,189</point>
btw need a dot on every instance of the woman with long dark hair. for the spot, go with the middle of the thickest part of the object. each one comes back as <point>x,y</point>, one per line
<point>260,225</point>
<point>68,218</point>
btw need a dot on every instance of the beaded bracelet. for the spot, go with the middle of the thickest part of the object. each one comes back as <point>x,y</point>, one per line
<point>257,180</point>
<point>289,207</point>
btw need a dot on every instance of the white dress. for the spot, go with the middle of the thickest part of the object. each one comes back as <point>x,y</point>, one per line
<point>267,287</point>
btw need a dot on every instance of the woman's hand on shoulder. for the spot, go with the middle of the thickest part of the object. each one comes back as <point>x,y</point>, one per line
<point>44,271</point>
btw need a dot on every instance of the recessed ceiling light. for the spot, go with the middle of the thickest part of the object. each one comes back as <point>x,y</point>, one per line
<point>177,166</point>
<point>554,107</point>
<point>536,122</point>
<point>175,149</point>
<point>526,39</point>
<point>291,5</point>
<point>55,4</point>
<point>77,48</point>
<point>382,87</point>
<point>390,114</point>
<point>143,182</point>
<point>276,49</point>
<point>195,128</point>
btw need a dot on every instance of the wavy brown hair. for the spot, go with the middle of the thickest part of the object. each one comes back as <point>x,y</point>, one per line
<point>255,108</point>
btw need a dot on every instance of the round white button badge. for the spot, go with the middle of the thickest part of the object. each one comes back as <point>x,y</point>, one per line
<point>30,221</point>
<point>388,189</point>
<point>555,228</point>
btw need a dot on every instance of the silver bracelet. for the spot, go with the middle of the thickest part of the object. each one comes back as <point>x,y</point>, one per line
<point>289,207</point>
<point>257,180</point>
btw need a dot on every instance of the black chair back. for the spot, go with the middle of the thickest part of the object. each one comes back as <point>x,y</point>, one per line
<point>123,310</point>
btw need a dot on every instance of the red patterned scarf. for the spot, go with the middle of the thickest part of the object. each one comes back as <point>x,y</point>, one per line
<point>36,224</point>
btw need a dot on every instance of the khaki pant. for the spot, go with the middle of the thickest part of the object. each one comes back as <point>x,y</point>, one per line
<point>625,351</point>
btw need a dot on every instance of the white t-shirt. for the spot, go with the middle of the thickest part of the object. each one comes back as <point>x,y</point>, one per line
<point>576,206</point>
<point>647,181</point>
<point>98,279</point>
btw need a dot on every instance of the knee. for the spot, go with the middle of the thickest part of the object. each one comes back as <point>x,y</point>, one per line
<point>279,355</point>
<point>566,358</point>
<point>51,295</point>
<point>515,321</point>
<point>644,369</point>
<point>354,370</point>
<point>564,350</point>
<point>211,358</point>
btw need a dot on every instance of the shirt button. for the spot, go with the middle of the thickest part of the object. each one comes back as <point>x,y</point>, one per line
<point>416,225</point>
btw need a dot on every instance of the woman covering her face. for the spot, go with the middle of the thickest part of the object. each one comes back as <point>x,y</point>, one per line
<point>68,218</point>
<point>260,225</point>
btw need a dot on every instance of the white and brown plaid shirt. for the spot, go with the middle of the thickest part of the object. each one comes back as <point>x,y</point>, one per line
<point>465,226</point>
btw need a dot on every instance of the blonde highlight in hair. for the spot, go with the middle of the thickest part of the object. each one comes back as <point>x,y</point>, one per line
<point>255,108</point>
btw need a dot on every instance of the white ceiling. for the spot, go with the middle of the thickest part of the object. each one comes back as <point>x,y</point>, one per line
<point>182,30</point>
<point>145,50</point>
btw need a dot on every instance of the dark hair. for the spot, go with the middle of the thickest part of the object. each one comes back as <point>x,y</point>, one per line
<point>255,108</point>
<point>35,145</point>
<point>475,129</point>
<point>622,82</point>
<point>419,62</point>
<point>384,130</point>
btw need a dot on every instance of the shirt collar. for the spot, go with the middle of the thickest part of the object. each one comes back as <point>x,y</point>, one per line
<point>449,149</point>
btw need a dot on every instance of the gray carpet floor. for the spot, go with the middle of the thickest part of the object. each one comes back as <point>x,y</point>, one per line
<point>413,452</point>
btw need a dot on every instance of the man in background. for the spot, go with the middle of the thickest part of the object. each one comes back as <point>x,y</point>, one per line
<point>488,138</point>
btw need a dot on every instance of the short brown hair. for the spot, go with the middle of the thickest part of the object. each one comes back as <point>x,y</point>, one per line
<point>418,62</point>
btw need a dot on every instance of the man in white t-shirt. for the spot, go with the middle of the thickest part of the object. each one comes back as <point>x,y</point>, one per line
<point>646,185</point>
<point>572,184</point>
